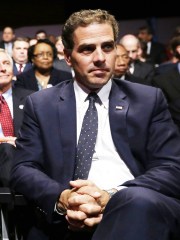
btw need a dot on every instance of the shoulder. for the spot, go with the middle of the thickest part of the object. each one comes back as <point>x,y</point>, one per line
<point>29,72</point>
<point>134,86</point>
<point>137,92</point>
<point>61,74</point>
<point>52,93</point>
<point>21,91</point>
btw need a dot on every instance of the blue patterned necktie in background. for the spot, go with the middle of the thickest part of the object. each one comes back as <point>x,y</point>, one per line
<point>87,139</point>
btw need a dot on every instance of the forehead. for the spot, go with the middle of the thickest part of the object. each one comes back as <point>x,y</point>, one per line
<point>131,46</point>
<point>143,31</point>
<point>21,43</point>
<point>8,30</point>
<point>93,33</point>
<point>121,50</point>
<point>3,56</point>
<point>42,47</point>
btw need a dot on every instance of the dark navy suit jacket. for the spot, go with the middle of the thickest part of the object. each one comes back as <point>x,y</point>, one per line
<point>26,68</point>
<point>169,82</point>
<point>6,150</point>
<point>141,128</point>
<point>28,79</point>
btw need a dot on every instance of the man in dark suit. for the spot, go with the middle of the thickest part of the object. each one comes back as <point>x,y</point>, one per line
<point>132,189</point>
<point>15,99</point>
<point>8,37</point>
<point>139,69</point>
<point>121,70</point>
<point>156,51</point>
<point>169,82</point>
<point>20,56</point>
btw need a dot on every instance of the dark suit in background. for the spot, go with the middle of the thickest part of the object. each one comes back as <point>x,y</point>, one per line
<point>144,71</point>
<point>2,44</point>
<point>6,150</point>
<point>169,82</point>
<point>26,68</point>
<point>158,53</point>
<point>62,65</point>
<point>28,79</point>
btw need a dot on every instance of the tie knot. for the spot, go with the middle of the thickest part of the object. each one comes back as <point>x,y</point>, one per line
<point>20,67</point>
<point>2,100</point>
<point>93,97</point>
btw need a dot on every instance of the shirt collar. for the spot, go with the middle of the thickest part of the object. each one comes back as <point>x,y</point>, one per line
<point>7,94</point>
<point>103,93</point>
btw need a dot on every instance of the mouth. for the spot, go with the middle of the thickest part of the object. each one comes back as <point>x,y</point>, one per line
<point>100,70</point>
<point>4,76</point>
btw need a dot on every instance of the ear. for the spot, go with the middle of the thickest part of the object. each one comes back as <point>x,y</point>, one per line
<point>67,56</point>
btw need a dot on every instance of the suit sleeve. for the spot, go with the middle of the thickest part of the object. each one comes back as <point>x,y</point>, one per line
<point>162,166</point>
<point>28,174</point>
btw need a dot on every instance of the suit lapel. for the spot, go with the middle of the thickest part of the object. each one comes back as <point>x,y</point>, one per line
<point>18,105</point>
<point>67,118</point>
<point>118,107</point>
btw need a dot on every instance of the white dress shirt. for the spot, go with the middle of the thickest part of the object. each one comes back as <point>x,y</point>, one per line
<point>19,66</point>
<point>8,47</point>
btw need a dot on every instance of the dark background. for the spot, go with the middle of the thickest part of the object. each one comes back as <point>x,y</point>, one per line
<point>38,12</point>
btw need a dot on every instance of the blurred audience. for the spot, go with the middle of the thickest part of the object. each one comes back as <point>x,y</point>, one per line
<point>59,62</point>
<point>20,56</point>
<point>174,46</point>
<point>15,99</point>
<point>121,70</point>
<point>169,82</point>
<point>32,41</point>
<point>42,74</point>
<point>137,68</point>
<point>41,34</point>
<point>156,51</point>
<point>52,38</point>
<point>8,36</point>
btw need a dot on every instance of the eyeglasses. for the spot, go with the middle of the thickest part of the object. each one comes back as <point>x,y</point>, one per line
<point>43,54</point>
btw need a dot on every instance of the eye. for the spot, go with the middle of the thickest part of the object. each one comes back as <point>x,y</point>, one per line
<point>108,47</point>
<point>7,63</point>
<point>87,49</point>
<point>125,57</point>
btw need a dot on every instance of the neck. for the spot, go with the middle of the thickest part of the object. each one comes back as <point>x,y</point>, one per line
<point>4,89</point>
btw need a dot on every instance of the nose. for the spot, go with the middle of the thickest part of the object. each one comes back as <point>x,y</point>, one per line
<point>120,60</point>
<point>2,68</point>
<point>130,54</point>
<point>99,55</point>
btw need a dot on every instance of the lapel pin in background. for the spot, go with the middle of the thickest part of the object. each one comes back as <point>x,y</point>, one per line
<point>21,106</point>
<point>119,107</point>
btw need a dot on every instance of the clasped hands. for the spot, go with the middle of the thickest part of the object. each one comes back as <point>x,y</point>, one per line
<point>84,203</point>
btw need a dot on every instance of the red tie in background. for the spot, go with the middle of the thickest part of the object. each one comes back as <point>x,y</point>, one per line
<point>20,68</point>
<point>6,118</point>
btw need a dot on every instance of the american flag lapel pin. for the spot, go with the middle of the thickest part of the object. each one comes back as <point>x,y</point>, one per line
<point>119,107</point>
<point>21,106</point>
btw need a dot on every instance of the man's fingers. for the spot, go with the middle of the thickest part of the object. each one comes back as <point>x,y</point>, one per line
<point>93,221</point>
<point>90,209</point>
